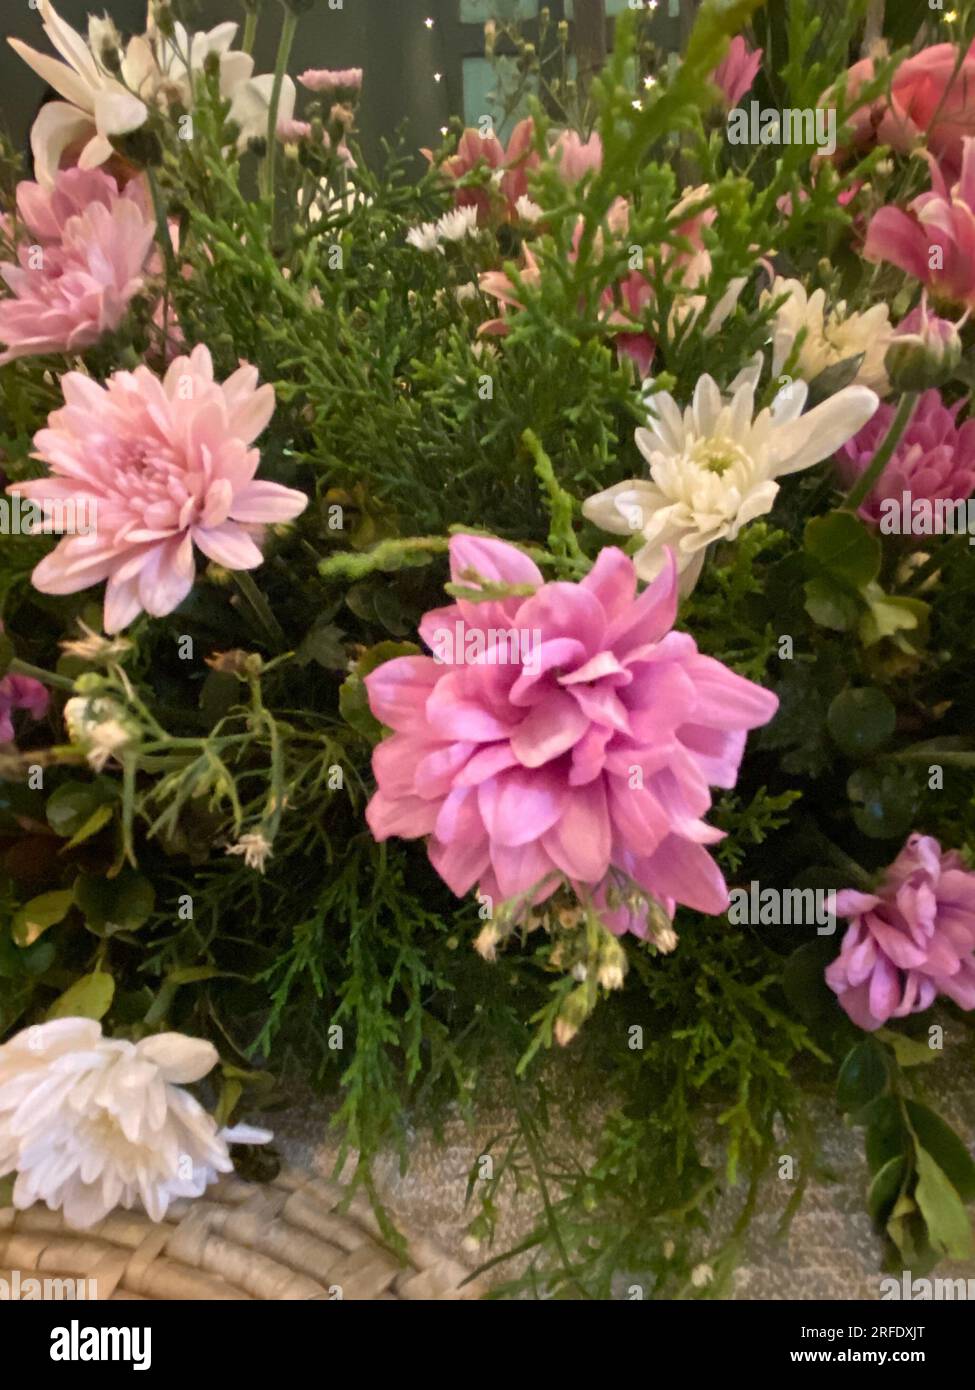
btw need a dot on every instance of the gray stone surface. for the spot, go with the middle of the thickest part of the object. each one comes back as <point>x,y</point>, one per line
<point>829,1251</point>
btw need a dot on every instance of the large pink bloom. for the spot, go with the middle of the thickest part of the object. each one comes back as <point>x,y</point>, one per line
<point>911,940</point>
<point>927,97</point>
<point>589,761</point>
<point>934,459</point>
<point>82,258</point>
<point>735,74</point>
<point>163,465</point>
<point>942,219</point>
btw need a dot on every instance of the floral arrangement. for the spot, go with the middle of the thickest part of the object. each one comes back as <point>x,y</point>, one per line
<point>671,792</point>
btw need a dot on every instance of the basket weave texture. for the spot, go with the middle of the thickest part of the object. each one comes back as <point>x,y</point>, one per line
<point>282,1240</point>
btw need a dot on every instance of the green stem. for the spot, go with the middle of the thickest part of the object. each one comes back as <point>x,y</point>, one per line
<point>288,29</point>
<point>261,609</point>
<point>250,32</point>
<point>24,668</point>
<point>881,458</point>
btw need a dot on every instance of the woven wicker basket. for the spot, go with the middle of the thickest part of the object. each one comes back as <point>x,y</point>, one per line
<point>284,1240</point>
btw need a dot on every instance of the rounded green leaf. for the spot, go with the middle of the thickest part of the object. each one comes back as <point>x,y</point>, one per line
<point>863,1076</point>
<point>861,721</point>
<point>89,997</point>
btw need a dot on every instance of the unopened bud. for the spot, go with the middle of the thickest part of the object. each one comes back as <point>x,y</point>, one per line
<point>924,352</point>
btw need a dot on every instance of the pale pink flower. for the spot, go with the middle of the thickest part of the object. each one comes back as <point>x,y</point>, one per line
<point>575,156</point>
<point>735,74</point>
<point>332,80</point>
<point>942,220</point>
<point>583,751</point>
<point>911,940</point>
<point>165,465</point>
<point>293,132</point>
<point>83,250</point>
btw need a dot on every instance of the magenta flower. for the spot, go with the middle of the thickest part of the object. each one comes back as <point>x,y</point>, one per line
<point>82,257</point>
<point>20,692</point>
<point>577,741</point>
<point>163,466</point>
<point>934,459</point>
<point>935,240</point>
<point>332,80</point>
<point>910,941</point>
<point>735,74</point>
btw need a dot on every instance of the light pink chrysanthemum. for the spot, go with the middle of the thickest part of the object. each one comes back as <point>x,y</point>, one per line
<point>332,80</point>
<point>735,74</point>
<point>911,940</point>
<point>578,744</point>
<point>163,465</point>
<point>82,258</point>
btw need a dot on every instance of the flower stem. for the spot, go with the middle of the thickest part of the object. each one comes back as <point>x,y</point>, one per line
<point>24,668</point>
<point>881,458</point>
<point>288,28</point>
<point>261,609</point>
<point>250,32</point>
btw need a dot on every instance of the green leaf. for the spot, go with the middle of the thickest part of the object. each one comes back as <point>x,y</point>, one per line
<point>71,806</point>
<point>949,1227</point>
<point>89,997</point>
<point>6,653</point>
<point>863,1076</point>
<point>33,919</point>
<point>833,379</point>
<point>945,1147</point>
<point>804,983</point>
<point>117,904</point>
<point>95,822</point>
<point>887,615</point>
<point>840,546</point>
<point>861,721</point>
<point>324,643</point>
<point>908,1051</point>
<point>885,1187</point>
<point>885,802</point>
<point>830,605</point>
<point>887,1136</point>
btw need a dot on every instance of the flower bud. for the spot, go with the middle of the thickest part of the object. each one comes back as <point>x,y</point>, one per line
<point>924,352</point>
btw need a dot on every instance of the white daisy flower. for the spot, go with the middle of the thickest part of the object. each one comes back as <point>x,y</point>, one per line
<point>457,224</point>
<point>714,467</point>
<point>527,209</point>
<point>425,237</point>
<point>831,336</point>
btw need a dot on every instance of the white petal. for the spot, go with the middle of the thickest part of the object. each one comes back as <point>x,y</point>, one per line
<point>117,112</point>
<point>821,431</point>
<point>179,1058</point>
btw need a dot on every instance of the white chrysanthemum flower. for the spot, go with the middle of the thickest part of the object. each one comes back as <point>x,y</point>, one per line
<point>831,337</point>
<point>254,848</point>
<point>425,237</point>
<point>714,466</point>
<point>90,1123</point>
<point>457,224</point>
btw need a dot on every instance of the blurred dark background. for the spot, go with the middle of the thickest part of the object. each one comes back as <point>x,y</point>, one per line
<point>400,53</point>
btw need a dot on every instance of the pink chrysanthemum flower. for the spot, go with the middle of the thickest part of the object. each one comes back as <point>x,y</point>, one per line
<point>934,458</point>
<point>82,258</point>
<point>735,74</point>
<point>911,940</point>
<point>20,692</point>
<point>163,466</point>
<point>579,743</point>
